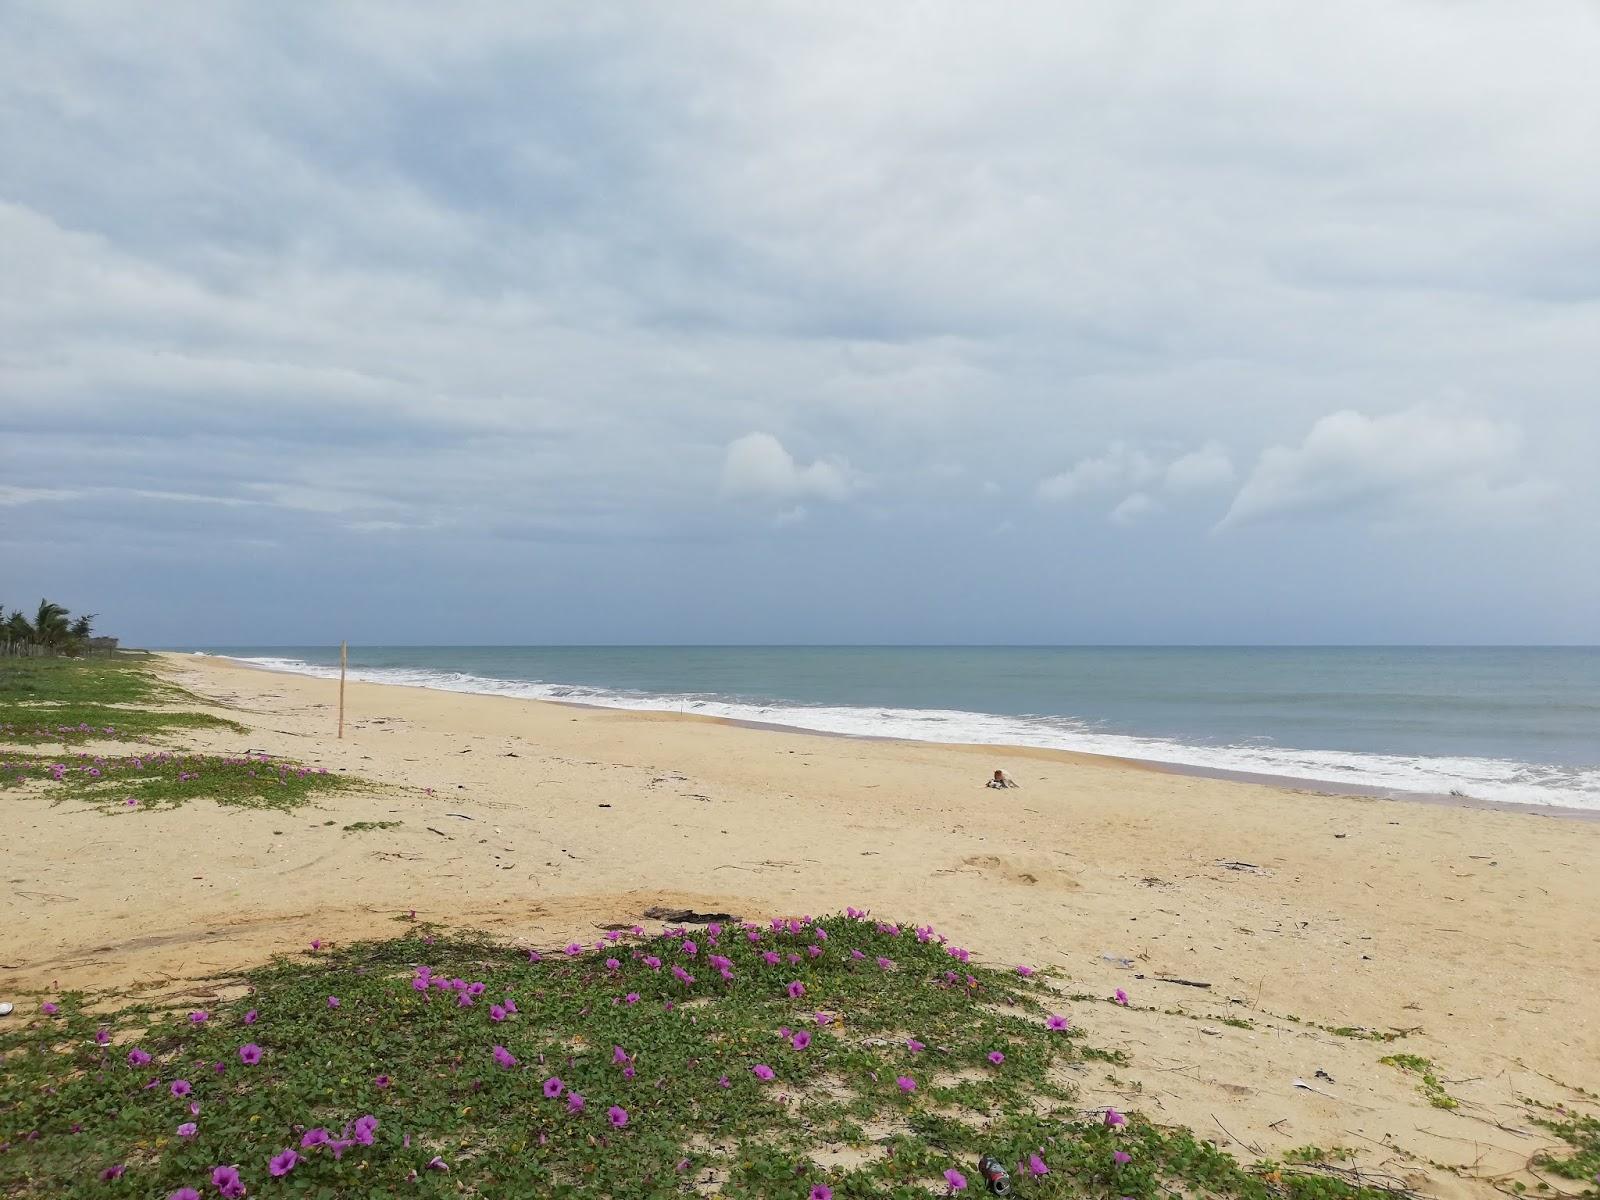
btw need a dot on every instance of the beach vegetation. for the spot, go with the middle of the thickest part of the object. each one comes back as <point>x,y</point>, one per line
<point>1424,1070</point>
<point>159,779</point>
<point>371,826</point>
<point>795,1059</point>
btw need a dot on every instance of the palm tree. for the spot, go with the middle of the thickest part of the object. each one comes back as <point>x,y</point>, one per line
<point>18,632</point>
<point>83,627</point>
<point>50,627</point>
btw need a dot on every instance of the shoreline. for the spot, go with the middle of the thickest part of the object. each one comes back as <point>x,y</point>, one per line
<point>1291,783</point>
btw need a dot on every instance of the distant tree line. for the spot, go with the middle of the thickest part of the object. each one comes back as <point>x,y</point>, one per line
<point>53,630</point>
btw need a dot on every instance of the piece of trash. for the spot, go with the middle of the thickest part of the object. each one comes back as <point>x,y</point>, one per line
<point>1321,1074</point>
<point>994,1175</point>
<point>1231,865</point>
<point>463,816</point>
<point>605,806</point>
<point>1210,1032</point>
<point>1117,960</point>
<point>1301,1083</point>
<point>5,1008</point>
<point>1194,983</point>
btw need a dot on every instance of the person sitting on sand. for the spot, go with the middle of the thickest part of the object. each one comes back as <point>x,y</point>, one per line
<point>1002,780</point>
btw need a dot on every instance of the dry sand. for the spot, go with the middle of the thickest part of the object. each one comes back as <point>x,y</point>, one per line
<point>1475,929</point>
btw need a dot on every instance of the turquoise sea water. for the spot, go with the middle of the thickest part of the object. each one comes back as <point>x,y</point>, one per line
<point>1512,724</point>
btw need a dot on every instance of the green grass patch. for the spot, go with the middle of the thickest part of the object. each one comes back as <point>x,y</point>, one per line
<point>1582,1134</point>
<point>161,779</point>
<point>76,723</point>
<point>370,826</point>
<point>1423,1068</point>
<point>113,679</point>
<point>447,1067</point>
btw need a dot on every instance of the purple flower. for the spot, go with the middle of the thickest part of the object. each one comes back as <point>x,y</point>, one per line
<point>314,1138</point>
<point>180,1087</point>
<point>885,964</point>
<point>1122,1158</point>
<point>905,1083</point>
<point>249,1054</point>
<point>553,1087</point>
<point>534,956</point>
<point>613,965</point>
<point>796,989</point>
<point>102,1036</point>
<point>801,1040</point>
<point>1056,1023</point>
<point>821,1192</point>
<point>651,961</point>
<point>316,943</point>
<point>690,948</point>
<point>49,1008</point>
<point>113,1172</point>
<point>956,1180</point>
<point>504,1057</point>
<point>724,1082</point>
<point>619,1116</point>
<point>824,1018</point>
<point>996,1057</point>
<point>574,1102</point>
<point>437,1164</point>
<point>283,1163</point>
<point>497,1012</point>
<point>632,998</point>
<point>138,1058</point>
<point>573,949</point>
<point>339,1146</point>
<point>1036,1166</point>
<point>1024,971</point>
<point>184,1193</point>
<point>771,957</point>
<point>199,1018</point>
<point>1121,997</point>
<point>628,1071</point>
<point>188,1129</point>
<point>381,1082</point>
<point>856,954</point>
<point>763,1072</point>
<point>250,1017</point>
<point>363,1128</point>
<point>1114,1118</point>
<point>915,1046</point>
<point>333,1002</point>
<point>224,1178</point>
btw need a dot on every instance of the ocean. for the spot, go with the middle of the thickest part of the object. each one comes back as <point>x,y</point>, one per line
<point>1519,725</point>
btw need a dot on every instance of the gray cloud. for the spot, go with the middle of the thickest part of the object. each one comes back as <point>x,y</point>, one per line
<point>492,292</point>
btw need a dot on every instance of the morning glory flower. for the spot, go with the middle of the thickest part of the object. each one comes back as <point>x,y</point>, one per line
<point>553,1087</point>
<point>618,1115</point>
<point>763,1072</point>
<point>283,1163</point>
<point>956,1180</point>
<point>249,1054</point>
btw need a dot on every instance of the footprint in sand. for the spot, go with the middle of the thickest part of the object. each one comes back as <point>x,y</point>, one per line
<point>1024,870</point>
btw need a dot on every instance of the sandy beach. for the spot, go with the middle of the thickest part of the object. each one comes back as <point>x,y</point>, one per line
<point>1472,930</point>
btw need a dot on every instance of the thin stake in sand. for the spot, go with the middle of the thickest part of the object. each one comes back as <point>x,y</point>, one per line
<point>344,657</point>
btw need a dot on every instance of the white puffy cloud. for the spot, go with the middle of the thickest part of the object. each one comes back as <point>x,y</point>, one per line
<point>1133,508</point>
<point>1404,463</point>
<point>1119,466</point>
<point>758,465</point>
<point>1207,467</point>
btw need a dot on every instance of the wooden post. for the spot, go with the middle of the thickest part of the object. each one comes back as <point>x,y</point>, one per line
<point>344,657</point>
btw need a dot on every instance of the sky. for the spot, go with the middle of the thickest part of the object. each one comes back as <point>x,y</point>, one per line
<point>1171,322</point>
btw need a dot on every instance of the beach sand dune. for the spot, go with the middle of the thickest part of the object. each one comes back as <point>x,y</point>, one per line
<point>1473,930</point>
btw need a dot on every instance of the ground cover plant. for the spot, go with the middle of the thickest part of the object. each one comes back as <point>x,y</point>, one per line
<point>155,779</point>
<point>803,1059</point>
<point>71,701</point>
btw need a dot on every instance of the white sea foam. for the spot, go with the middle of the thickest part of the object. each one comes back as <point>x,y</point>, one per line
<point>1493,779</point>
